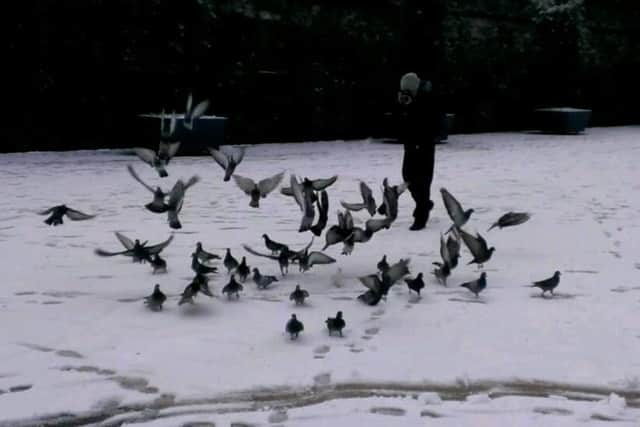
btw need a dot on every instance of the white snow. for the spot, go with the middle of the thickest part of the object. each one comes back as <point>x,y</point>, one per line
<point>77,338</point>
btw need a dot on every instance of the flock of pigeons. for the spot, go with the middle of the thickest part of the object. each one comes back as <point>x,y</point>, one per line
<point>310,196</point>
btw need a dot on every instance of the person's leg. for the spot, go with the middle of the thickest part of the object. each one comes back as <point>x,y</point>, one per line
<point>418,172</point>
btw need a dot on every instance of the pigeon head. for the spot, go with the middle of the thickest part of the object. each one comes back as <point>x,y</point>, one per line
<point>199,245</point>
<point>483,275</point>
<point>156,287</point>
<point>293,316</point>
<point>339,315</point>
<point>297,287</point>
<point>468,212</point>
<point>264,236</point>
<point>255,270</point>
<point>419,276</point>
<point>556,274</point>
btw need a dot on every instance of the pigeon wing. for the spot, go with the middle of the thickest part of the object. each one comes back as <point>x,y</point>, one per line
<point>371,281</point>
<point>367,198</point>
<point>298,194</point>
<point>454,209</point>
<point>220,158</point>
<point>397,271</point>
<point>172,150</point>
<point>476,244</point>
<point>376,224</point>
<point>146,155</point>
<point>47,211</point>
<point>353,206</point>
<point>176,196</point>
<point>245,184</point>
<point>135,176</point>
<point>199,109</point>
<point>77,215</point>
<point>316,257</point>
<point>237,154</point>
<point>193,180</point>
<point>287,191</point>
<point>321,184</point>
<point>155,249</point>
<point>256,253</point>
<point>267,185</point>
<point>102,252</point>
<point>126,242</point>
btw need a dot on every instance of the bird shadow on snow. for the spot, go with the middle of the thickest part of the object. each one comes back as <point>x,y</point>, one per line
<point>556,296</point>
<point>196,310</point>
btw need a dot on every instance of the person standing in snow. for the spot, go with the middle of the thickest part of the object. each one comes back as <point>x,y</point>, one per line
<point>419,129</point>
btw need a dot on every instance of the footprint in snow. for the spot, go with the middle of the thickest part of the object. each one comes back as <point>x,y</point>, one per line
<point>382,410</point>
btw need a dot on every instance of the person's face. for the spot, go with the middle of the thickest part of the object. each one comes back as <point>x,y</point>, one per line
<point>404,97</point>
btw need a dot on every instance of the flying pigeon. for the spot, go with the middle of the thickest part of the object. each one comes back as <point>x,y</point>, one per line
<point>140,252</point>
<point>368,202</point>
<point>415,284</point>
<point>548,284</point>
<point>191,114</point>
<point>379,284</point>
<point>158,205</point>
<point>199,283</point>
<point>156,299</point>
<point>167,148</point>
<point>57,212</point>
<point>263,281</point>
<point>304,197</point>
<point>454,209</point>
<point>299,295</point>
<point>309,259</point>
<point>294,327</point>
<point>310,185</point>
<point>383,265</point>
<point>323,213</point>
<point>228,159</point>
<point>335,323</point>
<point>259,190</point>
<point>510,219</point>
<point>478,285</point>
<point>232,287</point>
<point>477,246</point>
<point>283,257</point>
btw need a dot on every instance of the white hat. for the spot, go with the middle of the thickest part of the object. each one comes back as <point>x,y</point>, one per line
<point>410,82</point>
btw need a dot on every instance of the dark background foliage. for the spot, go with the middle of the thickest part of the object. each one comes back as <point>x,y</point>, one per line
<point>79,71</point>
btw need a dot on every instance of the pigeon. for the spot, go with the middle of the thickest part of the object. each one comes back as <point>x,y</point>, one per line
<point>477,246</point>
<point>199,268</point>
<point>259,190</point>
<point>339,232</point>
<point>272,245</point>
<point>323,213</point>
<point>156,299</point>
<point>299,295</point>
<point>310,185</point>
<point>232,287</point>
<point>383,265</point>
<point>548,284</point>
<point>304,197</point>
<point>294,327</point>
<point>379,284</point>
<point>158,205</point>
<point>283,257</point>
<point>204,255</point>
<point>415,284</point>
<point>309,259</point>
<point>230,262</point>
<point>140,252</point>
<point>448,261</point>
<point>199,284</point>
<point>191,114</point>
<point>159,265</point>
<point>174,206</point>
<point>478,285</point>
<point>368,202</point>
<point>335,323</point>
<point>453,248</point>
<point>262,281</point>
<point>442,272</point>
<point>454,209</point>
<point>393,193</point>
<point>167,148</point>
<point>228,159</point>
<point>243,270</point>
<point>510,219</point>
<point>57,212</point>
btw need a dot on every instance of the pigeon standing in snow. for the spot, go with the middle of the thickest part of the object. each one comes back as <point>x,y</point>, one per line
<point>230,262</point>
<point>260,189</point>
<point>299,295</point>
<point>243,270</point>
<point>203,255</point>
<point>199,268</point>
<point>458,215</point>
<point>548,284</point>
<point>415,284</point>
<point>232,287</point>
<point>478,285</point>
<point>510,219</point>
<point>228,159</point>
<point>335,324</point>
<point>262,281</point>
<point>57,212</point>
<point>477,246</point>
<point>294,327</point>
<point>156,299</point>
<point>159,265</point>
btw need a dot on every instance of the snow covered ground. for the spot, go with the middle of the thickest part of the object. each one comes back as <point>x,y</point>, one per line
<point>78,345</point>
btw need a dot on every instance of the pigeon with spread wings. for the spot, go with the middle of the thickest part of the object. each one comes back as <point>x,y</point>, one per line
<point>140,252</point>
<point>458,215</point>
<point>57,212</point>
<point>260,189</point>
<point>228,158</point>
